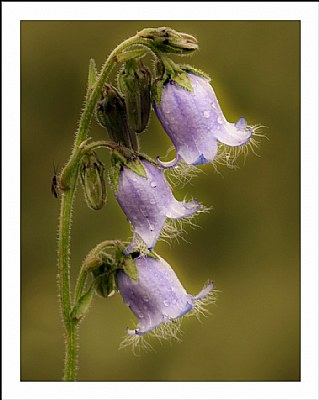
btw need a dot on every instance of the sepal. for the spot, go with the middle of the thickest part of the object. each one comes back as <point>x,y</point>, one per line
<point>182,80</point>
<point>118,160</point>
<point>83,305</point>
<point>129,267</point>
<point>196,71</point>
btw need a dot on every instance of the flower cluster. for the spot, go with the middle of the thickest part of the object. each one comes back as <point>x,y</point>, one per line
<point>188,109</point>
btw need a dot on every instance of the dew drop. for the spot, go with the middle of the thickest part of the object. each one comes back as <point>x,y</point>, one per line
<point>206,114</point>
<point>213,105</point>
<point>146,299</point>
<point>166,303</point>
<point>220,120</point>
<point>152,202</point>
<point>141,315</point>
<point>153,184</point>
<point>151,228</point>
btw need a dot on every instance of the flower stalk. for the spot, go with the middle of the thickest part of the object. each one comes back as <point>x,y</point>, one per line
<point>146,282</point>
<point>69,179</point>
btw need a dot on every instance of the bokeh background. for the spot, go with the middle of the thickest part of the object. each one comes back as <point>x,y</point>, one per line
<point>248,244</point>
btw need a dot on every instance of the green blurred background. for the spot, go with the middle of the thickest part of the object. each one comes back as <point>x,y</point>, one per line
<point>248,244</point>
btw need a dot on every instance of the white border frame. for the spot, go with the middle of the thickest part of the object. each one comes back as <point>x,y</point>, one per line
<point>13,12</point>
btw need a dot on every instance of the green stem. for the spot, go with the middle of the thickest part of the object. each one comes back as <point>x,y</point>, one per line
<point>68,178</point>
<point>71,352</point>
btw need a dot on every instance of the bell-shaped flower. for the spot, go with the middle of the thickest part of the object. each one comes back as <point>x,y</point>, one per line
<point>147,202</point>
<point>195,122</point>
<point>157,297</point>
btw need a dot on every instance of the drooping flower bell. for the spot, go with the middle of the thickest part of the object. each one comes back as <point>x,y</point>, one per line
<point>195,122</point>
<point>157,296</point>
<point>148,201</point>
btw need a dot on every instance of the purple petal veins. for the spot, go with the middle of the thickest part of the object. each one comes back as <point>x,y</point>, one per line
<point>147,202</point>
<point>195,122</point>
<point>157,296</point>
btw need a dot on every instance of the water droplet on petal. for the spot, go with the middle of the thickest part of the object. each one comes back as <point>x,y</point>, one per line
<point>141,315</point>
<point>152,202</point>
<point>206,114</point>
<point>166,303</point>
<point>153,184</point>
<point>220,120</point>
<point>213,105</point>
<point>151,228</point>
<point>146,299</point>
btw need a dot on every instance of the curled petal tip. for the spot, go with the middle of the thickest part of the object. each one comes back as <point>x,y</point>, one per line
<point>204,292</point>
<point>201,160</point>
<point>241,124</point>
<point>131,332</point>
<point>180,209</point>
<point>169,164</point>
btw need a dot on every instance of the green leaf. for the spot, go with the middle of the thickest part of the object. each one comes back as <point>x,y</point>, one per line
<point>129,268</point>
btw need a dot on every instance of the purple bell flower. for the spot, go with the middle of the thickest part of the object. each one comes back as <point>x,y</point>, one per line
<point>147,202</point>
<point>157,298</point>
<point>195,122</point>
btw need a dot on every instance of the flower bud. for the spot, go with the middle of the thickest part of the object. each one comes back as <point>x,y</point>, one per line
<point>105,285</point>
<point>93,181</point>
<point>167,40</point>
<point>135,84</point>
<point>111,114</point>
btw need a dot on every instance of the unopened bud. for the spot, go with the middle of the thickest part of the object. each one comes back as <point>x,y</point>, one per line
<point>135,84</point>
<point>167,40</point>
<point>105,278</point>
<point>93,181</point>
<point>111,114</point>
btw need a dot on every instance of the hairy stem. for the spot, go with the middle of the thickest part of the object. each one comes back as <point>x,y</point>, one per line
<point>68,179</point>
